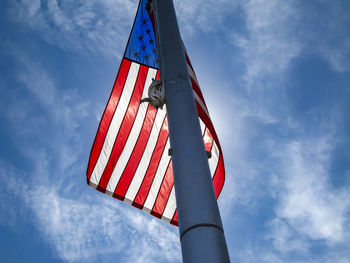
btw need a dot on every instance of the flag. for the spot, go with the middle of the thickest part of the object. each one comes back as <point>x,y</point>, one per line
<point>129,159</point>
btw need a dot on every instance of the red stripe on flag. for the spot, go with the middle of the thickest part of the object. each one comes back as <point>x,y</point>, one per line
<point>125,128</point>
<point>136,155</point>
<point>164,192</point>
<point>198,91</point>
<point>188,60</point>
<point>138,150</point>
<point>108,115</point>
<point>195,85</point>
<point>208,140</point>
<point>152,166</point>
<point>219,177</point>
<point>160,204</point>
<point>205,118</point>
<point>175,220</point>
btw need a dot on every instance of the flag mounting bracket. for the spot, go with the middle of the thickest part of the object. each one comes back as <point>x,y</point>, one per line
<point>208,154</point>
<point>156,94</point>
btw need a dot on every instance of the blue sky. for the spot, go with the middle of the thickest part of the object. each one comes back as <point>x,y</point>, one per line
<point>276,77</point>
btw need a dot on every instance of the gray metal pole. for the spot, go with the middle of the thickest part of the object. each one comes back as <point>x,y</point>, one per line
<point>200,226</point>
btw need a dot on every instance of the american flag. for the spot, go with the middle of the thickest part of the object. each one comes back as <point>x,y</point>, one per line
<point>129,159</point>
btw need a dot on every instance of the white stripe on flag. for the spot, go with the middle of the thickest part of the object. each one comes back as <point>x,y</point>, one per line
<point>115,124</point>
<point>214,160</point>
<point>132,139</point>
<point>199,100</point>
<point>170,206</point>
<point>158,178</point>
<point>202,126</point>
<point>192,75</point>
<point>146,156</point>
<point>171,203</point>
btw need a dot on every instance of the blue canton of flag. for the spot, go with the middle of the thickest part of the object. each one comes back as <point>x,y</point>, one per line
<point>142,46</point>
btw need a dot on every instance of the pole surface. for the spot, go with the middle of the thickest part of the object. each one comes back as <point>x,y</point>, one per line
<point>200,226</point>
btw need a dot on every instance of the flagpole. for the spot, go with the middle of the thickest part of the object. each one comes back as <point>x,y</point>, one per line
<point>201,231</point>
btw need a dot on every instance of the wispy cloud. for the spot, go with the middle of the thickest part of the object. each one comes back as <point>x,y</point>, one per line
<point>65,107</point>
<point>83,229</point>
<point>208,16</point>
<point>270,33</point>
<point>288,202</point>
<point>45,120</point>
<point>279,31</point>
<point>87,27</point>
<point>270,42</point>
<point>78,223</point>
<point>285,238</point>
<point>332,41</point>
<point>307,200</point>
<point>275,164</point>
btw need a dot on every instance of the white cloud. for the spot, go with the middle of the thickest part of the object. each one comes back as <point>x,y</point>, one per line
<point>208,16</point>
<point>234,118</point>
<point>24,9</point>
<point>274,32</point>
<point>309,208</point>
<point>338,56</point>
<point>278,31</point>
<point>86,228</point>
<point>285,238</point>
<point>88,27</point>
<point>61,111</point>
<point>80,224</point>
<point>294,171</point>
<point>270,43</point>
<point>333,42</point>
<point>9,213</point>
<point>64,107</point>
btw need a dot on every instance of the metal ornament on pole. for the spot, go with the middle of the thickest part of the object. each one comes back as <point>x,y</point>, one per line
<point>201,231</point>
